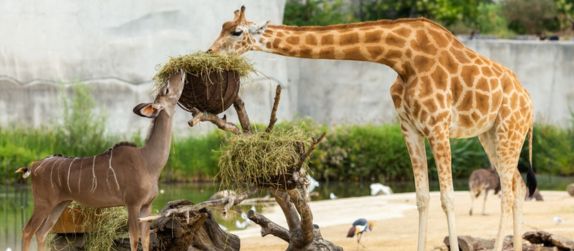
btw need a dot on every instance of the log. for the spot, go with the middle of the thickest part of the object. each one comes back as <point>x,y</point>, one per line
<point>536,241</point>
<point>191,230</point>
<point>549,240</point>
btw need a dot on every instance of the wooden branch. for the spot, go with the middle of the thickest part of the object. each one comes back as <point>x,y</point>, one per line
<point>287,207</point>
<point>222,124</point>
<point>273,118</point>
<point>268,227</point>
<point>225,202</point>
<point>306,216</point>
<point>549,240</point>
<point>242,114</point>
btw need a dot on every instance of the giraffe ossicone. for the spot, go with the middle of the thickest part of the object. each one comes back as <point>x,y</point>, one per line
<point>443,90</point>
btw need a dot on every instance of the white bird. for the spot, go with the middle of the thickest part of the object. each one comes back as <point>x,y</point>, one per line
<point>557,220</point>
<point>244,224</point>
<point>8,249</point>
<point>161,191</point>
<point>332,196</point>
<point>313,183</point>
<point>378,189</point>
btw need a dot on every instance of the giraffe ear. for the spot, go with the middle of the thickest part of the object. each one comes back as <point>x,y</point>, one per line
<point>146,110</point>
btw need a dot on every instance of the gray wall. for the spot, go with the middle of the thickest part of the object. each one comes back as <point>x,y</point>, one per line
<point>115,47</point>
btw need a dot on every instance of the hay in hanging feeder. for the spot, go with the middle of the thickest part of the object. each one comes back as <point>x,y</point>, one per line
<point>212,79</point>
<point>262,159</point>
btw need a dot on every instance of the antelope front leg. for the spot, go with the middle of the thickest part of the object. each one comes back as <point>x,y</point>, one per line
<point>145,231</point>
<point>134,226</point>
<point>440,146</point>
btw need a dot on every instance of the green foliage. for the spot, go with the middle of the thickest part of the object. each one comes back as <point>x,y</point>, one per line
<point>490,20</point>
<point>316,12</point>
<point>82,132</point>
<point>194,157</point>
<point>566,14</point>
<point>553,150</point>
<point>531,16</point>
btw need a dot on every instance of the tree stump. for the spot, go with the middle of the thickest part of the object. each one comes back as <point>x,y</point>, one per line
<point>181,225</point>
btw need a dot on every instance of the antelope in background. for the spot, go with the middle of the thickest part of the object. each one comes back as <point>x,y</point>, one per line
<point>482,181</point>
<point>124,175</point>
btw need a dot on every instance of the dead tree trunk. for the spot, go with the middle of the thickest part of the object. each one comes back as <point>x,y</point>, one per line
<point>181,225</point>
<point>286,188</point>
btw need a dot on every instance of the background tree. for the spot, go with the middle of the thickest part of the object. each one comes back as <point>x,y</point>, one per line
<point>531,16</point>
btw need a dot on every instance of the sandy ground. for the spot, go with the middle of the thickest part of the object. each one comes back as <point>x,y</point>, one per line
<point>396,220</point>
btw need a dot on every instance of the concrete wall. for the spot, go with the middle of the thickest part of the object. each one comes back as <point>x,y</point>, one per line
<point>115,47</point>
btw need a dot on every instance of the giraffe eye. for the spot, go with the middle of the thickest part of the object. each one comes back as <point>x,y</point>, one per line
<point>236,33</point>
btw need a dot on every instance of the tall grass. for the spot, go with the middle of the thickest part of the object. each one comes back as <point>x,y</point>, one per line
<point>80,134</point>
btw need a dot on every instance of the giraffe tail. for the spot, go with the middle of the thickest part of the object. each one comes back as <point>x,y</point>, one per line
<point>531,182</point>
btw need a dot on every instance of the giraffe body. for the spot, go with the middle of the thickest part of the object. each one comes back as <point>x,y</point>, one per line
<point>443,90</point>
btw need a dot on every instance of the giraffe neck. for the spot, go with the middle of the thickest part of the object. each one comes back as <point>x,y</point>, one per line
<point>386,42</point>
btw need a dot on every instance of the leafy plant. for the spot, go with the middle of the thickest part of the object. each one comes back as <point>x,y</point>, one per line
<point>316,12</point>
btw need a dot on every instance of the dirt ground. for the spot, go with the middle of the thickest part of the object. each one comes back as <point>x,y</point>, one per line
<point>396,220</point>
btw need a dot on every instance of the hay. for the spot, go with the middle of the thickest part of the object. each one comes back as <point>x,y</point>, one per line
<point>106,225</point>
<point>202,63</point>
<point>253,159</point>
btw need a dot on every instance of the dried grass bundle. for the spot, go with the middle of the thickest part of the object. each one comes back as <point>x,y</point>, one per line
<point>261,158</point>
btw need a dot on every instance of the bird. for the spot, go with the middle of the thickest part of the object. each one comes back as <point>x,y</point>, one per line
<point>359,227</point>
<point>244,224</point>
<point>557,220</point>
<point>378,188</point>
<point>313,183</point>
<point>332,196</point>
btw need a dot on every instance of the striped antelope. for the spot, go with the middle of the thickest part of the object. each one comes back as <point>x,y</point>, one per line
<point>125,175</point>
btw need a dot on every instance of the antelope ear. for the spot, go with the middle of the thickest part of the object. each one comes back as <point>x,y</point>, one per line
<point>146,110</point>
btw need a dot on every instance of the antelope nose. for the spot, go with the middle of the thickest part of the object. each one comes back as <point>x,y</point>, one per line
<point>209,51</point>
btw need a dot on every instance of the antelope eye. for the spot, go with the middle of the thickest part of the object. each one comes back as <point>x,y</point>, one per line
<point>236,33</point>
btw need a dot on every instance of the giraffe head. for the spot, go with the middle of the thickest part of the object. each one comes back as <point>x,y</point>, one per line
<point>238,35</point>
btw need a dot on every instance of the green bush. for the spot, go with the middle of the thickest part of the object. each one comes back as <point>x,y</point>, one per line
<point>316,12</point>
<point>194,158</point>
<point>490,20</point>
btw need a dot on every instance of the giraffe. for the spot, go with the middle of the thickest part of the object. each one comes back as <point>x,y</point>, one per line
<point>443,90</point>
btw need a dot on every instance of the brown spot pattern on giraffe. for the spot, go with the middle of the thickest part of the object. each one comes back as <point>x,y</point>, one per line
<point>327,39</point>
<point>373,36</point>
<point>349,38</point>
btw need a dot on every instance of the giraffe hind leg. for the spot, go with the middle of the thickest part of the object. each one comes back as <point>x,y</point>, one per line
<point>440,146</point>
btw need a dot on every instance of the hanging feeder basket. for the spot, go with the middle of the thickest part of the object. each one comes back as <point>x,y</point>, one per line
<point>212,80</point>
<point>213,93</point>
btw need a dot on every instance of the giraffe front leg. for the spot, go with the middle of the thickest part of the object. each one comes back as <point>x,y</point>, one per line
<point>440,146</point>
<point>417,153</point>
